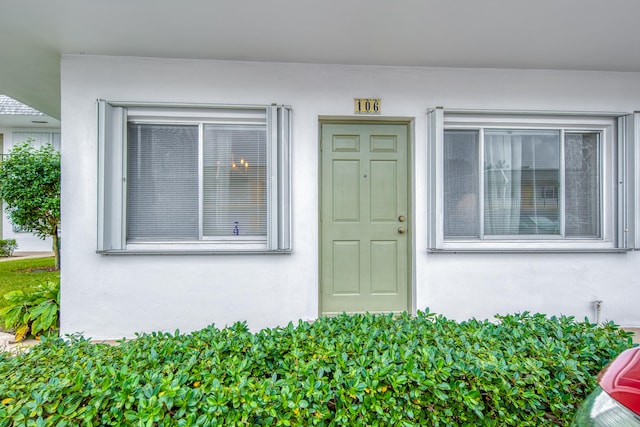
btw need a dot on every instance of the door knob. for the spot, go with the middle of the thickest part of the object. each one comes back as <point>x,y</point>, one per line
<point>401,230</point>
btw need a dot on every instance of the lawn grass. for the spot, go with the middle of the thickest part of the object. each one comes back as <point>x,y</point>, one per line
<point>24,274</point>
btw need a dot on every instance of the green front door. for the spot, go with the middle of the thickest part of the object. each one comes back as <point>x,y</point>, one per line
<point>365,222</point>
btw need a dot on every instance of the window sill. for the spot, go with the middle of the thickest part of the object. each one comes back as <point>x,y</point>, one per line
<point>550,250</point>
<point>194,252</point>
<point>196,248</point>
<point>527,246</point>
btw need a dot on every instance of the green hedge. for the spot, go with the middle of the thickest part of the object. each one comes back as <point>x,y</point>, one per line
<point>373,370</point>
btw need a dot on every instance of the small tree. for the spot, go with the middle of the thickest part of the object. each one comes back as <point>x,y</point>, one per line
<point>30,186</point>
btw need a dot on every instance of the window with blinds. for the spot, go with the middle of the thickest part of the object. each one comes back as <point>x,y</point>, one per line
<point>528,181</point>
<point>193,178</point>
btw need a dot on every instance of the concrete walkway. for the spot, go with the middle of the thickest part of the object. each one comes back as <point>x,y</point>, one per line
<point>26,255</point>
<point>7,344</point>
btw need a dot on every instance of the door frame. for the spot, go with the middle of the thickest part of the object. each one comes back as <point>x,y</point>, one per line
<point>409,122</point>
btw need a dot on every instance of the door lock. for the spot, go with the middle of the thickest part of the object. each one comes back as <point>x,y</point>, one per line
<point>402,218</point>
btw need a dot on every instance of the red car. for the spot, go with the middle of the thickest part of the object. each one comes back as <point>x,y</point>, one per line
<point>616,401</point>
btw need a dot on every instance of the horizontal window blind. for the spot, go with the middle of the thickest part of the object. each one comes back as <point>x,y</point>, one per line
<point>582,182</point>
<point>461,182</point>
<point>162,182</point>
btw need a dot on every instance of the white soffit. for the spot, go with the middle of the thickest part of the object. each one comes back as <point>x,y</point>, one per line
<point>592,35</point>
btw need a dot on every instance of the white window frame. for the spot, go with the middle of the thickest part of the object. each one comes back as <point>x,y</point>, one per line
<point>615,171</point>
<point>113,118</point>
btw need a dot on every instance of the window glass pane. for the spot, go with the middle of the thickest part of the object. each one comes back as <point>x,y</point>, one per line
<point>582,197</point>
<point>162,182</point>
<point>235,175</point>
<point>521,182</point>
<point>461,183</point>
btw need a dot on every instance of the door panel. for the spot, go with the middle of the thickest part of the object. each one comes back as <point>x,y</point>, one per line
<point>384,278</point>
<point>364,218</point>
<point>346,268</point>
<point>346,143</point>
<point>345,197</point>
<point>384,204</point>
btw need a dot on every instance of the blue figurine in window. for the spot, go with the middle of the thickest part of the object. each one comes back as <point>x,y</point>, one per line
<point>236,230</point>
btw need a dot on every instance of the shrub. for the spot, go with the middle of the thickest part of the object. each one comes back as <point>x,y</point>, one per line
<point>30,188</point>
<point>7,247</point>
<point>34,312</point>
<point>523,370</point>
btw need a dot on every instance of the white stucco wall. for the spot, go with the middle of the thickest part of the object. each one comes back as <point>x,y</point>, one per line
<point>116,296</point>
<point>27,242</point>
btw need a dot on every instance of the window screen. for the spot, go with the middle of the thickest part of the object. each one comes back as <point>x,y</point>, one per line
<point>582,183</point>
<point>162,182</point>
<point>234,181</point>
<point>461,181</point>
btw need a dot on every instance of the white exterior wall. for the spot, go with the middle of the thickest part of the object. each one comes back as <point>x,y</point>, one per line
<point>116,296</point>
<point>27,242</point>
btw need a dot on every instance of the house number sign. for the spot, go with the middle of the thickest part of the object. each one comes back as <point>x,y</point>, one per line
<point>367,105</point>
